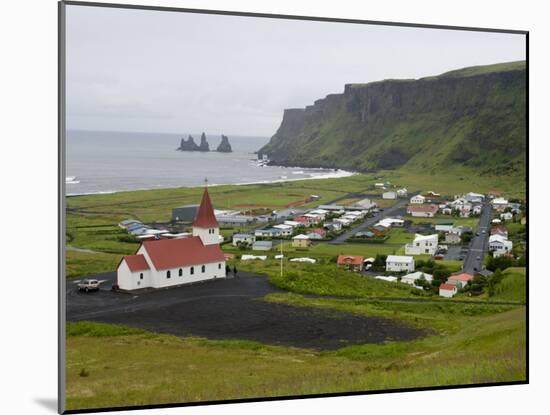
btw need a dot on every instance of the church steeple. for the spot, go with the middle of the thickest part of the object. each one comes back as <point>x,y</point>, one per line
<point>205,224</point>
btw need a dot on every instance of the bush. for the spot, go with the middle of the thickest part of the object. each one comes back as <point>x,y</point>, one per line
<point>501,262</point>
<point>84,373</point>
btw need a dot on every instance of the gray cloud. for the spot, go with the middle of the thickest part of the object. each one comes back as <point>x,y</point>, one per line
<point>133,70</point>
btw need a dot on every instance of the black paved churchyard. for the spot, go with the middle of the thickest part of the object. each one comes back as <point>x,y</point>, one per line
<point>231,309</point>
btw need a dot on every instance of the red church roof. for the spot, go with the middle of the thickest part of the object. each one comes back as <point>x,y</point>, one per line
<point>205,216</point>
<point>182,252</point>
<point>449,287</point>
<point>136,262</point>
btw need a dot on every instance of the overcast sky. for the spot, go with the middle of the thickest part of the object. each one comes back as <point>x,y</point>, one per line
<point>152,71</point>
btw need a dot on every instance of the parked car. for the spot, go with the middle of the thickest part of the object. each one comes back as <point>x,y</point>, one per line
<point>88,285</point>
<point>438,257</point>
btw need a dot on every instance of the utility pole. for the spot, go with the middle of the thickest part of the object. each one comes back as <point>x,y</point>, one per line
<point>281,258</point>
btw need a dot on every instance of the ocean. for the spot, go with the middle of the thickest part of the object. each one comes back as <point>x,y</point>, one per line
<point>106,162</point>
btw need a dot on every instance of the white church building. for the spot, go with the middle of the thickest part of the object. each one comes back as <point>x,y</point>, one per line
<point>168,262</point>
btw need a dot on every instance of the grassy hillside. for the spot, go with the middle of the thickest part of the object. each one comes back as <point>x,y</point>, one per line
<point>513,286</point>
<point>472,118</point>
<point>484,344</point>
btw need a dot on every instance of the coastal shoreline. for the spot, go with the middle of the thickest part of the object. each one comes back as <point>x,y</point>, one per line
<point>331,174</point>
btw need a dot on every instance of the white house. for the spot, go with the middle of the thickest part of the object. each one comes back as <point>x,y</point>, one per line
<point>417,200</point>
<point>444,226</point>
<point>262,246</point>
<point>335,226</point>
<point>422,211</point>
<point>389,195</point>
<point>379,185</point>
<point>269,233</point>
<point>389,222</point>
<point>402,192</point>
<point>474,197</point>
<point>343,221</point>
<point>243,238</point>
<point>506,216</point>
<point>447,290</point>
<point>411,278</point>
<point>364,204</point>
<point>286,230</point>
<point>499,244</point>
<point>499,203</point>
<point>423,244</point>
<point>292,223</point>
<point>168,262</point>
<point>398,263</point>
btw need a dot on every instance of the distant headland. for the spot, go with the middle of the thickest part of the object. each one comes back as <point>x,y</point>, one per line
<point>190,145</point>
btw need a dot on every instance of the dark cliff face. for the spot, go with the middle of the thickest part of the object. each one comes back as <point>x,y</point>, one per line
<point>224,146</point>
<point>474,117</point>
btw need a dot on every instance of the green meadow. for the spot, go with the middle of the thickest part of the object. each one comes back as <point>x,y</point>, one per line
<point>469,344</point>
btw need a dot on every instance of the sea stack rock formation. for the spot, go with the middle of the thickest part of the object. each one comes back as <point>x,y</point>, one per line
<point>224,146</point>
<point>188,145</point>
<point>203,146</point>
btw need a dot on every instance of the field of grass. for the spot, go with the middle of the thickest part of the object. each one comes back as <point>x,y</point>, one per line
<point>513,286</point>
<point>157,204</point>
<point>384,203</point>
<point>472,222</point>
<point>469,345</point>
<point>327,279</point>
<point>456,180</point>
<point>399,236</point>
<point>79,264</point>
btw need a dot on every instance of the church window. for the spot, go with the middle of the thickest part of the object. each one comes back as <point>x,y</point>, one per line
<point>141,275</point>
<point>219,266</point>
<point>203,268</point>
<point>180,272</point>
<point>192,270</point>
<point>168,274</point>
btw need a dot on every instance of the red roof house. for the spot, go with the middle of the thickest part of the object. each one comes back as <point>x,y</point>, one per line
<point>351,262</point>
<point>461,279</point>
<point>318,231</point>
<point>447,290</point>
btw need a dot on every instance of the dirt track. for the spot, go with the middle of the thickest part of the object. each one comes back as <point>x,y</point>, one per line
<point>231,309</point>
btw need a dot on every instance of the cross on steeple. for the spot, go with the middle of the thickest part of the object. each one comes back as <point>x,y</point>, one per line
<point>206,182</point>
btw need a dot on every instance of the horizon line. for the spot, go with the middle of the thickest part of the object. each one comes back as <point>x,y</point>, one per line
<point>167,133</point>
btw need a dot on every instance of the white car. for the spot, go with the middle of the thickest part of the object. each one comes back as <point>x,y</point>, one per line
<point>89,285</point>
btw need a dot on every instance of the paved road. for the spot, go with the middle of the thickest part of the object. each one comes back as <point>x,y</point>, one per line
<point>391,211</point>
<point>479,244</point>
